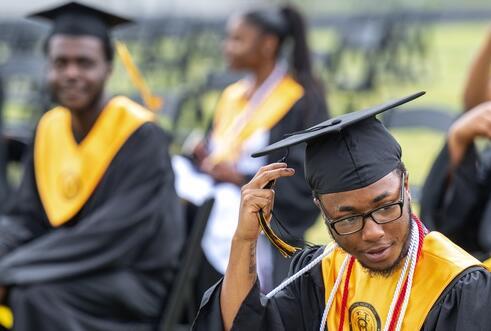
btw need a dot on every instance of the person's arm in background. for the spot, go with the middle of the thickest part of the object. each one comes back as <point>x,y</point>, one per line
<point>472,124</point>
<point>224,172</point>
<point>221,172</point>
<point>476,121</point>
<point>478,87</point>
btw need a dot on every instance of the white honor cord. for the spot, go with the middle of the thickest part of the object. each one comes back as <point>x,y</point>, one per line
<point>332,295</point>
<point>299,273</point>
<point>400,282</point>
<point>410,260</point>
<point>415,240</point>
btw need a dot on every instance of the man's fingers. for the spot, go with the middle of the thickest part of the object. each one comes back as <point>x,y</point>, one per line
<point>257,199</point>
<point>273,166</point>
<point>269,167</point>
<point>264,177</point>
<point>270,175</point>
<point>258,204</point>
<point>251,194</point>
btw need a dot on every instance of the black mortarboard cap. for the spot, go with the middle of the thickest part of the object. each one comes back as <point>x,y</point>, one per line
<point>74,18</point>
<point>348,152</point>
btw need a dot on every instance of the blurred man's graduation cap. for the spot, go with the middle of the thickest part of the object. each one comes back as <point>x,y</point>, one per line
<point>74,18</point>
<point>347,152</point>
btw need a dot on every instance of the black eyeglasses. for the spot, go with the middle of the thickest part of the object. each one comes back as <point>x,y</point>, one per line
<point>381,215</point>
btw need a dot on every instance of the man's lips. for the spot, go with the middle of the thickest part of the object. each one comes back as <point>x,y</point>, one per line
<point>71,90</point>
<point>377,254</point>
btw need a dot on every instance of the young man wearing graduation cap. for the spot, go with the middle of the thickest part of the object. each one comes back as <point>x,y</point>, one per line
<point>92,239</point>
<point>383,271</point>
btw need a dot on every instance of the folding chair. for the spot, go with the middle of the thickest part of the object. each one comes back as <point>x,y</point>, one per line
<point>181,299</point>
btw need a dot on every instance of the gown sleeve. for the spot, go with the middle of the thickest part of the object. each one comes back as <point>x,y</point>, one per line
<point>464,305</point>
<point>296,307</point>
<point>24,218</point>
<point>132,220</point>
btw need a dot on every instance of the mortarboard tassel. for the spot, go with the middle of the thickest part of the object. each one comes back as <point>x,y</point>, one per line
<point>152,102</point>
<point>285,249</point>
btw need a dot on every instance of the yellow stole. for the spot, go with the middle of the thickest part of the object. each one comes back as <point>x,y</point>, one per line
<point>369,297</point>
<point>487,264</point>
<point>67,173</point>
<point>6,318</point>
<point>232,129</point>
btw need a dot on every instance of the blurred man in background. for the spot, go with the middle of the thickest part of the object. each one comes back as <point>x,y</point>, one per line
<point>92,239</point>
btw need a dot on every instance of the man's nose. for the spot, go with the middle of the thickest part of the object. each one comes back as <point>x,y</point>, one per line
<point>72,71</point>
<point>372,231</point>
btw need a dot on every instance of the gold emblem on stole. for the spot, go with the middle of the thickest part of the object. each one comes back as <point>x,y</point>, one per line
<point>70,184</point>
<point>363,317</point>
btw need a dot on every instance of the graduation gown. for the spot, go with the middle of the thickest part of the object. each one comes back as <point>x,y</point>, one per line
<point>460,208</point>
<point>300,305</point>
<point>111,265</point>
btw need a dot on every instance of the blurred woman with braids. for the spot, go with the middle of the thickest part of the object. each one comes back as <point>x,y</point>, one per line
<point>279,95</point>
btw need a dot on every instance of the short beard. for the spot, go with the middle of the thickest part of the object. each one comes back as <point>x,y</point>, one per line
<point>386,273</point>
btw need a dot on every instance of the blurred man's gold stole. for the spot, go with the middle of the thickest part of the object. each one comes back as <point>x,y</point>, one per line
<point>66,172</point>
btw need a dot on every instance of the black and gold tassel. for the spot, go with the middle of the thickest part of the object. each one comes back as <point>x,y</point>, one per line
<point>285,249</point>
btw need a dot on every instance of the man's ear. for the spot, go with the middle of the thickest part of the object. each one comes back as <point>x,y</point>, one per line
<point>406,185</point>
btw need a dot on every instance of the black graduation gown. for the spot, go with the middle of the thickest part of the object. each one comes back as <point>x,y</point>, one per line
<point>111,266</point>
<point>461,208</point>
<point>300,305</point>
